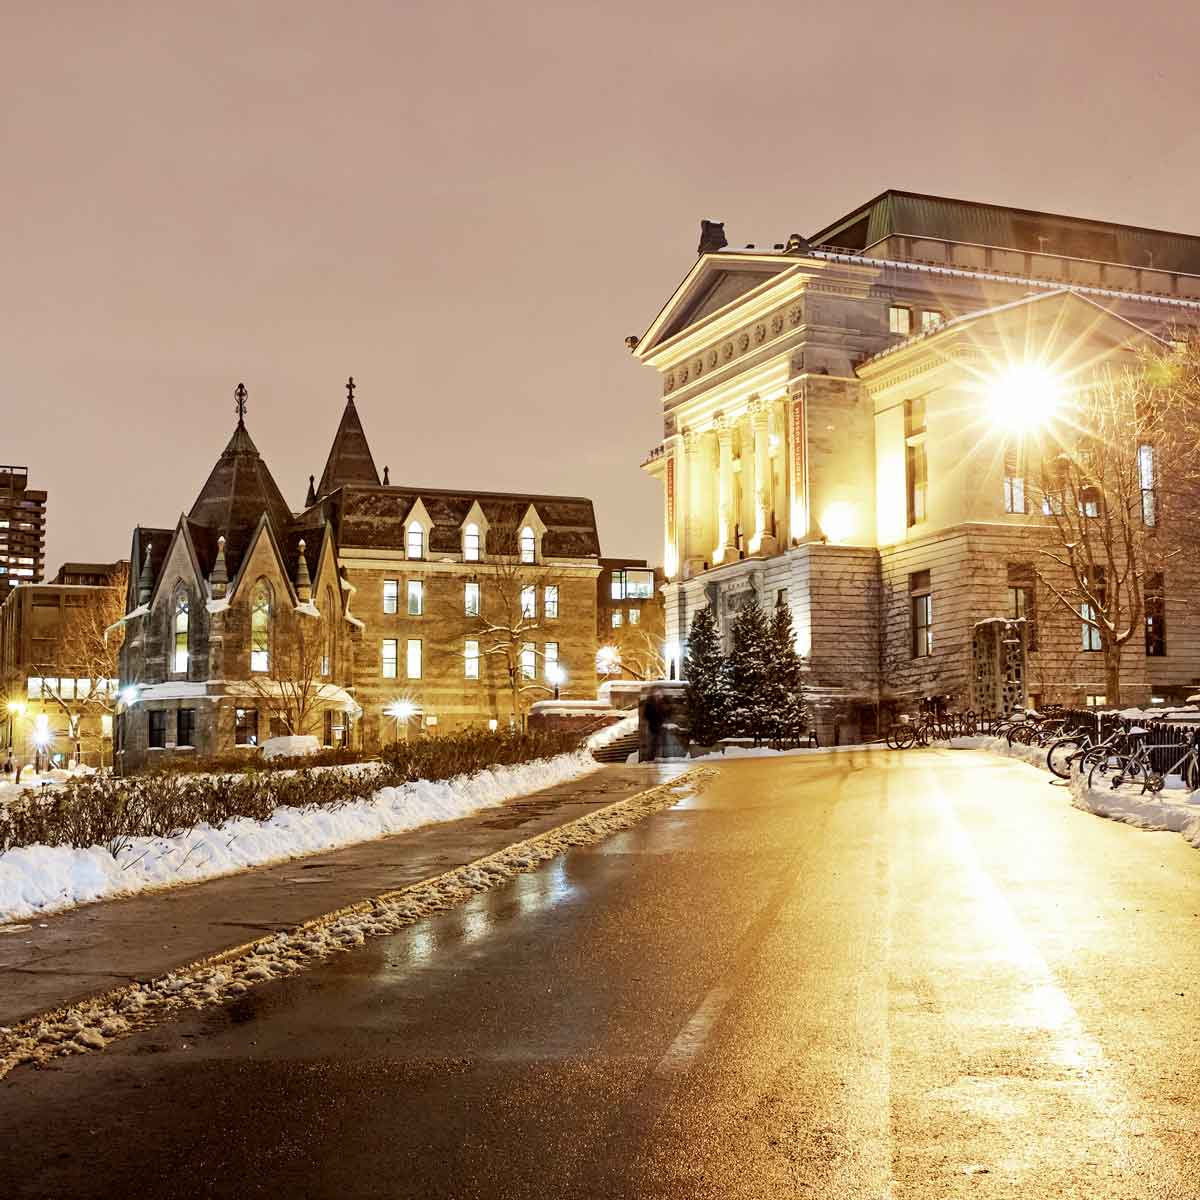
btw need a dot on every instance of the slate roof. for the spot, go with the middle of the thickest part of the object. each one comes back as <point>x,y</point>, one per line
<point>350,459</point>
<point>375,517</point>
<point>913,214</point>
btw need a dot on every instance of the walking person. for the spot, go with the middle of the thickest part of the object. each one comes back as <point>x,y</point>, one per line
<point>654,714</point>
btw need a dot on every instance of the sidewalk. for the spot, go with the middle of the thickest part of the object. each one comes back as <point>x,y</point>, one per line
<point>69,956</point>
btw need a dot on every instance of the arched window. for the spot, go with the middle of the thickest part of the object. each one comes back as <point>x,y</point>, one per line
<point>330,618</point>
<point>260,628</point>
<point>415,545</point>
<point>179,626</point>
<point>528,545</point>
<point>471,543</point>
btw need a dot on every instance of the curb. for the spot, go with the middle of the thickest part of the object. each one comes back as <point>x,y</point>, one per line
<point>91,1023</point>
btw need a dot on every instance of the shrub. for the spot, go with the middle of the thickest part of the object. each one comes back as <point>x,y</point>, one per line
<point>101,810</point>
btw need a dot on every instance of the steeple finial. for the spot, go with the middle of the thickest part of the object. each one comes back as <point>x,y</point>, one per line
<point>239,395</point>
<point>219,576</point>
<point>386,481</point>
<point>303,580</point>
<point>350,389</point>
<point>146,578</point>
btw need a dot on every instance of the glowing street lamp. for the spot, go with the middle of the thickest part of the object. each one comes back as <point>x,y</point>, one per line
<point>608,660</point>
<point>402,711</point>
<point>1024,397</point>
<point>557,676</point>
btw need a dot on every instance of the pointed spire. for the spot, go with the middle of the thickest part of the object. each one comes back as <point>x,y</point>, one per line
<point>219,577</point>
<point>350,459</point>
<point>311,498</point>
<point>303,580</point>
<point>386,481</point>
<point>146,578</point>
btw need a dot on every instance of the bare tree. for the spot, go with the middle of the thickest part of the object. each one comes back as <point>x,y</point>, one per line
<point>296,692</point>
<point>635,651</point>
<point>81,678</point>
<point>1111,519</point>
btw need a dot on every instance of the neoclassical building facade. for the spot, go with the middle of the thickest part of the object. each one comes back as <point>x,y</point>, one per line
<point>824,442</point>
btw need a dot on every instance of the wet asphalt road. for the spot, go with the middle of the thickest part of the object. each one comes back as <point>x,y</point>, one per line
<point>857,975</point>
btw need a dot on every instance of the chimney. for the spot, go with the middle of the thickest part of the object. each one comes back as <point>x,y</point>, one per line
<point>712,237</point>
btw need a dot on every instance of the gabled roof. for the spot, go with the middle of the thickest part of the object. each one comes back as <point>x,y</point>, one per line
<point>350,459</point>
<point>914,214</point>
<point>374,518</point>
<point>238,491</point>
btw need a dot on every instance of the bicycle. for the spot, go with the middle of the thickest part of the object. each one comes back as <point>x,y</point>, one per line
<point>1117,768</point>
<point>1139,764</point>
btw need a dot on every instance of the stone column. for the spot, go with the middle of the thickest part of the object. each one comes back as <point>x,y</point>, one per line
<point>693,550</point>
<point>724,550</point>
<point>763,542</point>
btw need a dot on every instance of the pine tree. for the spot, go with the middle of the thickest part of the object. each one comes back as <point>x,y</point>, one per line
<point>750,673</point>
<point>708,697</point>
<point>786,684</point>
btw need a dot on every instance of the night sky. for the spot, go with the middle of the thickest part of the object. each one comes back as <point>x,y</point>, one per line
<point>469,207</point>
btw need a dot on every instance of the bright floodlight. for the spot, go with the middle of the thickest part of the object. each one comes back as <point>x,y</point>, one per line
<point>129,695</point>
<point>1025,396</point>
<point>555,674</point>
<point>402,710</point>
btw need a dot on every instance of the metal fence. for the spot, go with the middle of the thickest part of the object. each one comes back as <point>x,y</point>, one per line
<point>1169,736</point>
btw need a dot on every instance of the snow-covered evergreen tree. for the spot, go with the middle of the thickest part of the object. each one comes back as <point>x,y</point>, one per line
<point>786,687</point>
<point>708,694</point>
<point>750,673</point>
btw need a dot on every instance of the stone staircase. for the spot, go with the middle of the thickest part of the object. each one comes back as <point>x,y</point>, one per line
<point>618,751</point>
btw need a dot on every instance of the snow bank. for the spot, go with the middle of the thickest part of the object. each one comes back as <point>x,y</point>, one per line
<point>297,746</point>
<point>42,879</point>
<point>610,733</point>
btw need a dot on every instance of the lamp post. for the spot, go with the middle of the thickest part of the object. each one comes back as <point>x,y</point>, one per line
<point>16,710</point>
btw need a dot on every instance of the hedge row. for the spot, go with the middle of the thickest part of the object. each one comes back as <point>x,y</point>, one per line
<point>101,810</point>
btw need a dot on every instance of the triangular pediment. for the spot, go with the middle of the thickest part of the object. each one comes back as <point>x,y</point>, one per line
<point>716,282</point>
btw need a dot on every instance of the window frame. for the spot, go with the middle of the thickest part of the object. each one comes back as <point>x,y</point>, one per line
<point>1154,604</point>
<point>471,658</point>
<point>920,596</point>
<point>411,659</point>
<point>472,599</point>
<point>894,310</point>
<point>414,527</point>
<point>528,660</point>
<point>262,606</point>
<point>185,717</point>
<point>527,546</point>
<point>238,724</point>
<point>156,729</point>
<point>415,588</point>
<point>385,658</point>
<point>181,611</point>
<point>472,543</point>
<point>391,597</point>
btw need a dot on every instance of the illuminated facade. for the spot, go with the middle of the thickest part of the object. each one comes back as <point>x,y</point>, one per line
<point>822,442</point>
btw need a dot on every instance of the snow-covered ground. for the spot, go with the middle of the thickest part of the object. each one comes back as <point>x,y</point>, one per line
<point>1174,808</point>
<point>43,879</point>
<point>31,781</point>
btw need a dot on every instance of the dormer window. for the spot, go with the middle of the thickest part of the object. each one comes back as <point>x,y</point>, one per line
<point>528,545</point>
<point>415,543</point>
<point>472,544</point>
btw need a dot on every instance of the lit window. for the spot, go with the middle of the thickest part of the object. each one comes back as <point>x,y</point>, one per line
<point>550,602</point>
<point>922,614</point>
<point>635,615</point>
<point>1090,634</point>
<point>181,634</point>
<point>246,726</point>
<point>617,590</point>
<point>471,543</point>
<point>66,689</point>
<point>1146,477</point>
<point>413,659</point>
<point>391,594</point>
<point>389,658</point>
<point>931,319</point>
<point>471,599</point>
<point>416,597</point>
<point>471,660</point>
<point>260,629</point>
<point>528,602</point>
<point>33,687</point>
<point>618,618</point>
<point>1096,701</point>
<point>1089,501</point>
<point>550,654</point>
<point>528,660</point>
<point>415,545</point>
<point>528,545</point>
<point>916,468</point>
<point>900,319</point>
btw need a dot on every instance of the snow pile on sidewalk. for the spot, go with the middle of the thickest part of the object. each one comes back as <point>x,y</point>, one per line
<point>1174,809</point>
<point>43,879</point>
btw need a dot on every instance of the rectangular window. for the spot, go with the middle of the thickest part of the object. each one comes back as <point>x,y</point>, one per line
<point>185,727</point>
<point>1094,701</point>
<point>922,614</point>
<point>471,599</point>
<point>900,319</point>
<point>1089,501</point>
<point>1156,617</point>
<point>1023,600</point>
<point>416,597</point>
<point>550,656</point>
<point>1014,481</point>
<point>389,658</point>
<point>528,602</point>
<point>413,659</point>
<point>391,594</point>
<point>916,467</point>
<point>1146,477</point>
<point>931,319</point>
<point>66,689</point>
<point>528,661</point>
<point>245,730</point>
<point>471,544</point>
<point>158,728</point>
<point>635,615</point>
<point>618,618</point>
<point>550,601</point>
<point>33,687</point>
<point>1090,635</point>
<point>471,659</point>
<point>327,727</point>
<point>415,543</point>
<point>617,589</point>
<point>528,545</point>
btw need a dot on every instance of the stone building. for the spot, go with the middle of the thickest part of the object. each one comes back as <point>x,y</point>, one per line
<point>630,619</point>
<point>22,530</point>
<point>55,696</point>
<point>825,442</point>
<point>401,610</point>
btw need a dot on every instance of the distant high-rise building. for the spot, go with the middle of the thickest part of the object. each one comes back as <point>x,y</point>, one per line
<point>22,530</point>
